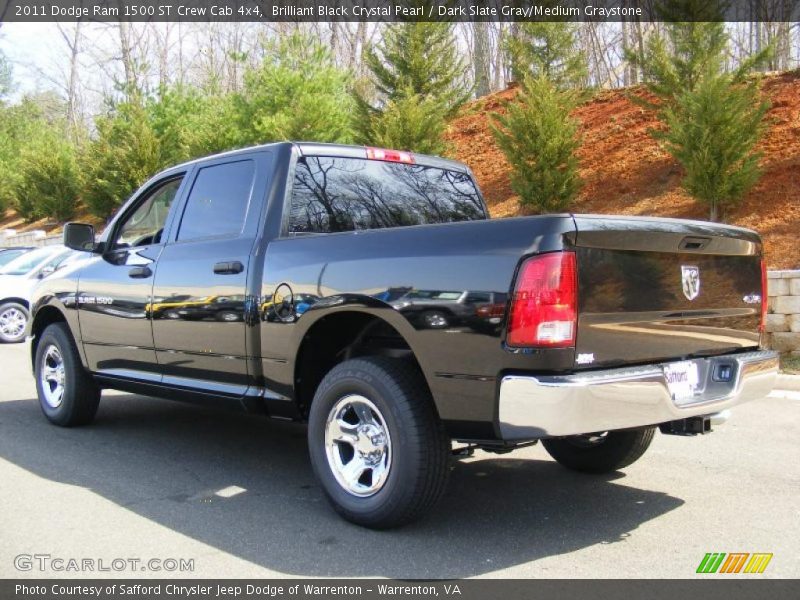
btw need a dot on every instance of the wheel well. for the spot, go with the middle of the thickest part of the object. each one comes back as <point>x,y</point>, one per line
<point>339,337</point>
<point>21,301</point>
<point>47,315</point>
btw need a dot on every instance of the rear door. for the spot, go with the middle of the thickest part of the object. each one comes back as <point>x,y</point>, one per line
<point>200,287</point>
<point>652,289</point>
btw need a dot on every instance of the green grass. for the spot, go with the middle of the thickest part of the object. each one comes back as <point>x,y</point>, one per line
<point>790,364</point>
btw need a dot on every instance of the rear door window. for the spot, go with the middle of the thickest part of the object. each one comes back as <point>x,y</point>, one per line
<point>346,194</point>
<point>217,205</point>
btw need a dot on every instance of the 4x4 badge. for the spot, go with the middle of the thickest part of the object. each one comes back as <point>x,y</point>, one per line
<point>690,277</point>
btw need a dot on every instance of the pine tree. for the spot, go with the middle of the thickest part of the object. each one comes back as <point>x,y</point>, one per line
<point>30,129</point>
<point>712,131</point>
<point>410,122</point>
<point>297,93</point>
<point>49,185</point>
<point>191,122</point>
<point>414,61</point>
<point>15,123</point>
<point>539,139</point>
<point>713,119</point>
<point>548,49</point>
<point>125,153</point>
<point>671,65</point>
<point>695,43</point>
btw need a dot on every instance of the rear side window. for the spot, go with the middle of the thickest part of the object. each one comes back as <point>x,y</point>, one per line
<point>346,194</point>
<point>217,204</point>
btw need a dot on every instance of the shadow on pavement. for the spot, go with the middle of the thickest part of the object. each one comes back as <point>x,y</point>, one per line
<point>164,461</point>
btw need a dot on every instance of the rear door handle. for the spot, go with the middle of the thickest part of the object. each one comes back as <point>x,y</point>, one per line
<point>228,268</point>
<point>140,272</point>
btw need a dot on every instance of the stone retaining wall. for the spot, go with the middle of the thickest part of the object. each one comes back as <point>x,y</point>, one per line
<point>10,238</point>
<point>783,318</point>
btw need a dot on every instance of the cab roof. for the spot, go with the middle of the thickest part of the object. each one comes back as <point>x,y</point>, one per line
<point>334,150</point>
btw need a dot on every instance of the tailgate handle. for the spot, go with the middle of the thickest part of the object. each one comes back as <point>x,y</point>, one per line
<point>228,268</point>
<point>693,243</point>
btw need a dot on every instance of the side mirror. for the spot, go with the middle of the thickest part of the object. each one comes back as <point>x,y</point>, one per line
<point>79,236</point>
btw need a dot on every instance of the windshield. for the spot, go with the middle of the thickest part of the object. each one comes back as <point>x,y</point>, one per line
<point>22,265</point>
<point>6,256</point>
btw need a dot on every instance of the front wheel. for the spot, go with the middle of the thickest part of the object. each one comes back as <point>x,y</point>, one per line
<point>600,452</point>
<point>377,445</point>
<point>67,394</point>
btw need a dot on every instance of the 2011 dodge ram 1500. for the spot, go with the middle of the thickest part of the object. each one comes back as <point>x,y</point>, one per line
<point>366,291</point>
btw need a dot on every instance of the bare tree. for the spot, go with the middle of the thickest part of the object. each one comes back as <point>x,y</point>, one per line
<point>481,58</point>
<point>73,41</point>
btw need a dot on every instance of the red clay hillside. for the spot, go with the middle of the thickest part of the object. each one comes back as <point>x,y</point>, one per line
<point>625,171</point>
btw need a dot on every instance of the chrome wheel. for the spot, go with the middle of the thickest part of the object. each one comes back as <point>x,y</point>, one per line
<point>12,323</point>
<point>358,446</point>
<point>435,320</point>
<point>52,376</point>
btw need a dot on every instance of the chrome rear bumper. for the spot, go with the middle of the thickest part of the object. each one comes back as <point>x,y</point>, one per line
<point>532,407</point>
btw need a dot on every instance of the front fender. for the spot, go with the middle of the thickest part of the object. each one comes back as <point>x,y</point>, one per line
<point>52,301</point>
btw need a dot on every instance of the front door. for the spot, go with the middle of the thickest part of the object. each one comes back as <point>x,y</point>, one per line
<point>115,288</point>
<point>199,326</point>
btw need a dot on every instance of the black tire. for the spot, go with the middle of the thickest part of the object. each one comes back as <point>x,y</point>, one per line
<point>80,395</point>
<point>419,449</point>
<point>613,451</point>
<point>19,312</point>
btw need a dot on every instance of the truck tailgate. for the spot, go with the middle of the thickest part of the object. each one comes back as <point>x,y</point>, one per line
<point>659,289</point>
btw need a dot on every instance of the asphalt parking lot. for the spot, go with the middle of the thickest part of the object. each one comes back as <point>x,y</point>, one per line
<point>156,479</point>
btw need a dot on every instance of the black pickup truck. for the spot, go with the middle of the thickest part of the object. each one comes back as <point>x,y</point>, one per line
<point>366,292</point>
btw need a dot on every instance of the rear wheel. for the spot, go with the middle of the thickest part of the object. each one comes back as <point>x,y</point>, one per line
<point>600,452</point>
<point>13,320</point>
<point>376,443</point>
<point>67,394</point>
<point>435,319</point>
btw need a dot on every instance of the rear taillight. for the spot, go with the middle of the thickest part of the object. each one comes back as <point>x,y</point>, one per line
<point>764,291</point>
<point>544,306</point>
<point>390,155</point>
<point>491,311</point>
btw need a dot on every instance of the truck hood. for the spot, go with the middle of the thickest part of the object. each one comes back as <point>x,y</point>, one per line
<point>17,286</point>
